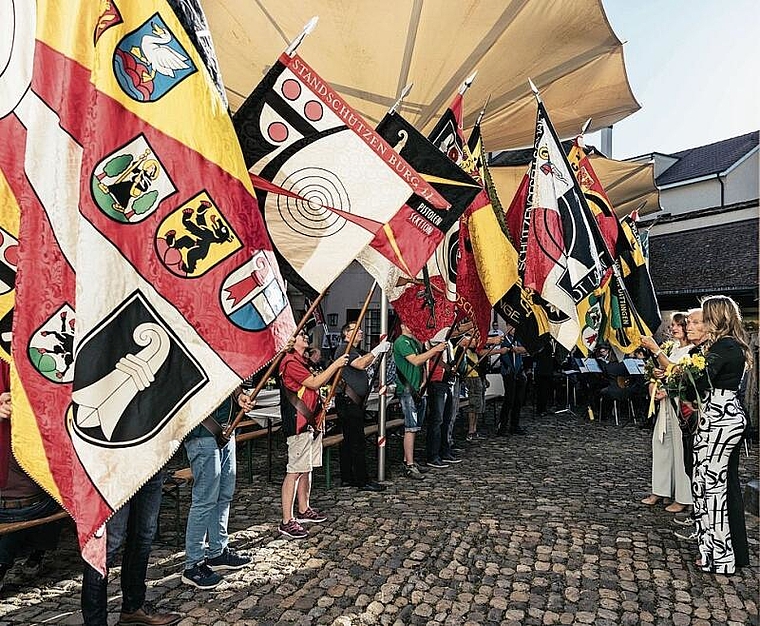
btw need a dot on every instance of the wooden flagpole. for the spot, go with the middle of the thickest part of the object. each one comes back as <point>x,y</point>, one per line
<point>336,377</point>
<point>273,365</point>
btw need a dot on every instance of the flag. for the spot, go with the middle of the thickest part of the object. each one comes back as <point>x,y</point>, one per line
<point>148,289</point>
<point>522,307</point>
<point>326,182</point>
<point>497,258</point>
<point>561,255</point>
<point>605,313</point>
<point>417,228</point>
<point>9,218</point>
<point>636,276</point>
<point>430,305</point>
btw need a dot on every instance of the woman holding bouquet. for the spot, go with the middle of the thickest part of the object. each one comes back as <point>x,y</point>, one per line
<point>669,478</point>
<point>716,445</point>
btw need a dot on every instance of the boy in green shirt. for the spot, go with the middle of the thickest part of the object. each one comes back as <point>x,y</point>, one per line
<point>409,358</point>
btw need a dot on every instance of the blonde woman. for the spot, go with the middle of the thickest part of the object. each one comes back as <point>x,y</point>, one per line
<point>669,478</point>
<point>716,445</point>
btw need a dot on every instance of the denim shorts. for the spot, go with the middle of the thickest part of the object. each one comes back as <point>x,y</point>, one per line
<point>414,412</point>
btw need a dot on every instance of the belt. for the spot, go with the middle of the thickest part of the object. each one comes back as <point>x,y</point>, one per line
<point>20,503</point>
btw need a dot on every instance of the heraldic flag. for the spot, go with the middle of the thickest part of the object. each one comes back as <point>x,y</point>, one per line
<point>452,272</point>
<point>147,288</point>
<point>636,275</point>
<point>561,254</point>
<point>521,307</point>
<point>417,228</point>
<point>605,314</point>
<point>325,180</point>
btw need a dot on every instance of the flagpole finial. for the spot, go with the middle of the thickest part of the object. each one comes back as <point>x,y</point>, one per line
<point>307,30</point>
<point>467,82</point>
<point>586,126</point>
<point>483,110</point>
<point>534,89</point>
<point>404,93</point>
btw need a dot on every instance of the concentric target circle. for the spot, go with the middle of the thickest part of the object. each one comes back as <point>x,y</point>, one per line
<point>311,214</point>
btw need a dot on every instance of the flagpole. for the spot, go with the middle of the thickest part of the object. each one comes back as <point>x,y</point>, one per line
<point>438,356</point>
<point>404,93</point>
<point>349,346</point>
<point>382,398</point>
<point>483,110</point>
<point>307,30</point>
<point>227,434</point>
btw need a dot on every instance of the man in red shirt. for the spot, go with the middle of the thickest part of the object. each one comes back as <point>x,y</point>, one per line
<point>304,440</point>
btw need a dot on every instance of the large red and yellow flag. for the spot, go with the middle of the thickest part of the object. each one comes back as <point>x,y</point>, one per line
<point>146,287</point>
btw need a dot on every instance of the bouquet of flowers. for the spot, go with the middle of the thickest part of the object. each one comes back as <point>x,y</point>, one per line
<point>651,364</point>
<point>678,378</point>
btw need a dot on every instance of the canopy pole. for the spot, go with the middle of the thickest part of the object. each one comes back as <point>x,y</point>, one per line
<point>382,397</point>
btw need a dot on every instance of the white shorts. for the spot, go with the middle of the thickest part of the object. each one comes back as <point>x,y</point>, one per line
<point>304,452</point>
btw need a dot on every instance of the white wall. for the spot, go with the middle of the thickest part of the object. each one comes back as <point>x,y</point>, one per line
<point>692,197</point>
<point>743,181</point>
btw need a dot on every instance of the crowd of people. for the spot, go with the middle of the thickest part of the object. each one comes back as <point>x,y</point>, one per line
<point>695,442</point>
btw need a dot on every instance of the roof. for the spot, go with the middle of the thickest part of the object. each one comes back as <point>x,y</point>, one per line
<point>698,261</point>
<point>713,158</point>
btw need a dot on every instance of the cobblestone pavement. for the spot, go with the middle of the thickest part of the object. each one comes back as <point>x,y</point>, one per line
<point>544,528</point>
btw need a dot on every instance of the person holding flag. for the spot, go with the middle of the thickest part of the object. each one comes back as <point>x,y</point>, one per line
<point>304,438</point>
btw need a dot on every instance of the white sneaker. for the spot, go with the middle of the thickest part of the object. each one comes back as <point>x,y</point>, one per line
<point>684,521</point>
<point>685,535</point>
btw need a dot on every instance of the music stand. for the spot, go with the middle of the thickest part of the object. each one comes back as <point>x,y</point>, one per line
<point>568,407</point>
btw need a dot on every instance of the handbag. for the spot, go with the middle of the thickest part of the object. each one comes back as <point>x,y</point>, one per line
<point>688,418</point>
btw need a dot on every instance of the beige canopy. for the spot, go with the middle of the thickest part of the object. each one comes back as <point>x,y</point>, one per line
<point>368,50</point>
<point>629,185</point>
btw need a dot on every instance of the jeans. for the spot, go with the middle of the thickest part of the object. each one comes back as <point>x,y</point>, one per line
<point>133,525</point>
<point>449,419</point>
<point>213,487</point>
<point>42,538</point>
<point>414,412</point>
<point>353,461</point>
<point>440,419</point>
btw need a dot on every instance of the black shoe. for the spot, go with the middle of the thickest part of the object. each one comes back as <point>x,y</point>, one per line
<point>518,431</point>
<point>501,433</point>
<point>437,464</point>
<point>227,560</point>
<point>372,486</point>
<point>451,459</point>
<point>200,576</point>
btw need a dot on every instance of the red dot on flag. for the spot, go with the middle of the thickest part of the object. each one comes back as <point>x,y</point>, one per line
<point>277,131</point>
<point>11,255</point>
<point>291,89</point>
<point>313,111</point>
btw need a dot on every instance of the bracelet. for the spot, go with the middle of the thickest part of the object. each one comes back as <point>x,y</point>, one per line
<point>658,353</point>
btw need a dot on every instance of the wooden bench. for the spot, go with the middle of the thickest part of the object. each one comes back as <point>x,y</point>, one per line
<point>333,440</point>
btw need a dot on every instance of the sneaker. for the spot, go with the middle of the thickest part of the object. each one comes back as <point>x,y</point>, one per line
<point>480,436</point>
<point>293,530</point>
<point>437,464</point>
<point>227,560</point>
<point>310,516</point>
<point>423,469</point>
<point>686,535</point>
<point>470,437</point>
<point>201,576</point>
<point>451,460</point>
<point>33,564</point>
<point>412,471</point>
<point>456,450</point>
<point>684,521</point>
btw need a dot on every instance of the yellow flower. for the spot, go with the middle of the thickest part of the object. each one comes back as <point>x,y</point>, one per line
<point>698,361</point>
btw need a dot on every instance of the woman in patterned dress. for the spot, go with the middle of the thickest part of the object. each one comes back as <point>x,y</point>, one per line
<point>721,425</point>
